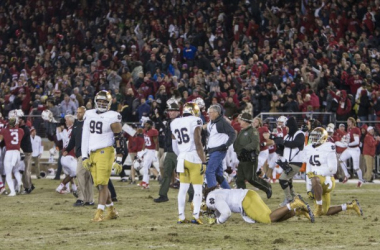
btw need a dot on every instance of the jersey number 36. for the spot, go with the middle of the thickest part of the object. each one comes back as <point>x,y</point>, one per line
<point>182,135</point>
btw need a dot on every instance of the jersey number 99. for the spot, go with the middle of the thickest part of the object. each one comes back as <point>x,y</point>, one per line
<point>96,127</point>
<point>182,135</point>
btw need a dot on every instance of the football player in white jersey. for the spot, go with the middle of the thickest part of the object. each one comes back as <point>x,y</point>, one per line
<point>186,135</point>
<point>251,207</point>
<point>321,165</point>
<point>101,131</point>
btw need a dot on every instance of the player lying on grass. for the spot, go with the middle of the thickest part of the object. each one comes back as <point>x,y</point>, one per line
<point>252,208</point>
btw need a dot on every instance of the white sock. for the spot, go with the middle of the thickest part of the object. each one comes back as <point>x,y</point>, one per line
<point>360,174</point>
<point>101,207</point>
<point>60,187</point>
<point>197,200</point>
<point>109,205</point>
<point>183,187</point>
<point>146,176</point>
<point>18,178</point>
<point>11,185</point>
<point>67,186</point>
<point>344,207</point>
<point>1,184</point>
<point>319,202</point>
<point>288,206</point>
<point>344,168</point>
<point>74,187</point>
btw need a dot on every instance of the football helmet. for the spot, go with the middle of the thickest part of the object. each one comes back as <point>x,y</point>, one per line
<point>329,130</point>
<point>47,115</point>
<point>103,106</point>
<point>281,121</point>
<point>318,136</point>
<point>172,105</point>
<point>137,165</point>
<point>13,121</point>
<point>191,108</point>
<point>199,101</point>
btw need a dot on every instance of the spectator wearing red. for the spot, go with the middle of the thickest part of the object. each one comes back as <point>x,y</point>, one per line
<point>369,151</point>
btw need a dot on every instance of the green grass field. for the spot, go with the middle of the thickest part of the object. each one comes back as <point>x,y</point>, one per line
<point>48,220</point>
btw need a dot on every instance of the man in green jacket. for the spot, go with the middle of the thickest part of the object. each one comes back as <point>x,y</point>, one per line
<point>246,144</point>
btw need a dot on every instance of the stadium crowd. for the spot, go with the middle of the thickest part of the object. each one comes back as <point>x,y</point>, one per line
<point>248,57</point>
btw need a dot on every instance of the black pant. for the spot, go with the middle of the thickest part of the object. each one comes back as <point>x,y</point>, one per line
<point>59,166</point>
<point>111,188</point>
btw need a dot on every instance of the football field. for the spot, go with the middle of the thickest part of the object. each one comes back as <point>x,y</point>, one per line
<point>48,220</point>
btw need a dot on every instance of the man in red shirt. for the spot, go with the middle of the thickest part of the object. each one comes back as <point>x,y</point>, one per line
<point>12,137</point>
<point>337,137</point>
<point>135,144</point>
<point>369,150</point>
<point>353,150</point>
<point>150,148</point>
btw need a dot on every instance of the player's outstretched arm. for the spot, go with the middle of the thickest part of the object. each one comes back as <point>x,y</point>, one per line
<point>198,143</point>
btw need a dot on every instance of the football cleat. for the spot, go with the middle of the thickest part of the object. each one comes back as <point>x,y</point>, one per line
<point>75,193</point>
<point>78,203</point>
<point>345,179</point>
<point>184,221</point>
<point>354,205</point>
<point>298,202</point>
<point>98,216</point>
<point>307,213</point>
<point>63,191</point>
<point>196,221</point>
<point>112,214</point>
<point>269,193</point>
<point>12,194</point>
<point>88,203</point>
<point>144,185</point>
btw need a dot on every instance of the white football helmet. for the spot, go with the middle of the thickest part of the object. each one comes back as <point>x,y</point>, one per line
<point>329,130</point>
<point>137,165</point>
<point>47,115</point>
<point>200,102</point>
<point>281,121</point>
<point>103,106</point>
<point>15,115</point>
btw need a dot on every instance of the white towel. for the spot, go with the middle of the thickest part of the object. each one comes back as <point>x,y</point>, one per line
<point>181,162</point>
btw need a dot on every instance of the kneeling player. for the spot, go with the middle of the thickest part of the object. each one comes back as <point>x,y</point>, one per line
<point>251,207</point>
<point>321,165</point>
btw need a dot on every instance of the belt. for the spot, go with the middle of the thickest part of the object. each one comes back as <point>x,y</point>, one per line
<point>353,146</point>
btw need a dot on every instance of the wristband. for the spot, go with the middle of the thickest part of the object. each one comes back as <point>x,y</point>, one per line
<point>119,159</point>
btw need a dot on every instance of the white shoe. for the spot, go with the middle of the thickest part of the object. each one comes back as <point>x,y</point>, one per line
<point>12,194</point>
<point>2,190</point>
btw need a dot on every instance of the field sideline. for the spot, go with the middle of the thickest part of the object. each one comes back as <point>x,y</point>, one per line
<point>48,220</point>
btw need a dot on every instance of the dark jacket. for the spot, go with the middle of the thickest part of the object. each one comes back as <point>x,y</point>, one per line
<point>26,143</point>
<point>76,138</point>
<point>248,139</point>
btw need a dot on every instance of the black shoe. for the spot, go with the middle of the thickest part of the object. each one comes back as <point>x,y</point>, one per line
<point>33,187</point>
<point>114,199</point>
<point>78,203</point>
<point>88,203</point>
<point>56,178</point>
<point>269,193</point>
<point>162,198</point>
<point>123,180</point>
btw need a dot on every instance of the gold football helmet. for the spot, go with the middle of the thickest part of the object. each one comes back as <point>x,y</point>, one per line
<point>318,136</point>
<point>103,100</point>
<point>191,108</point>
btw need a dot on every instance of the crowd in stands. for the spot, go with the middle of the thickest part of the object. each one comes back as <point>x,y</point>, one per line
<point>250,56</point>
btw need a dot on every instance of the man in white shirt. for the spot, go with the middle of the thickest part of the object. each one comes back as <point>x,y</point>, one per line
<point>38,148</point>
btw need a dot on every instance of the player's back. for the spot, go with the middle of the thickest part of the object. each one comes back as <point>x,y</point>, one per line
<point>233,197</point>
<point>12,138</point>
<point>183,130</point>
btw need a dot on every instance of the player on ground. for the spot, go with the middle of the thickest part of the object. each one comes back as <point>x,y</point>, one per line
<point>352,151</point>
<point>321,165</point>
<point>191,161</point>
<point>251,207</point>
<point>12,137</point>
<point>101,130</point>
<point>151,147</point>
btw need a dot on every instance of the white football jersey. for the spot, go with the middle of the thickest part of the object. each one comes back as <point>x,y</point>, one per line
<point>225,201</point>
<point>97,132</point>
<point>321,160</point>
<point>183,130</point>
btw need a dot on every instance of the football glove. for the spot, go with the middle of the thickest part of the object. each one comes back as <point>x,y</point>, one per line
<point>117,167</point>
<point>86,163</point>
<point>310,195</point>
<point>203,168</point>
